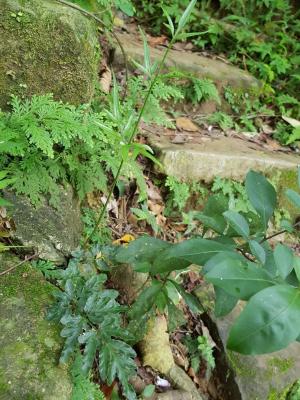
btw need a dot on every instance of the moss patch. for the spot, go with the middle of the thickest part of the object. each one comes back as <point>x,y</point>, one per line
<point>30,345</point>
<point>47,48</point>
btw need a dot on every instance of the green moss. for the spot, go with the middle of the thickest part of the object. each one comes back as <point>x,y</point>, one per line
<point>30,345</point>
<point>50,49</point>
<point>238,366</point>
<point>281,365</point>
<point>286,180</point>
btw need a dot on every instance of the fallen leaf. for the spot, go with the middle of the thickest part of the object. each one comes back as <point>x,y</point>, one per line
<point>153,192</point>
<point>186,124</point>
<point>124,239</point>
<point>157,40</point>
<point>105,80</point>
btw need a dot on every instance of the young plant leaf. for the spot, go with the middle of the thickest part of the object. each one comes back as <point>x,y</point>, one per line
<point>185,16</point>
<point>294,197</point>
<point>269,322</point>
<point>239,279</point>
<point>224,302</point>
<point>258,251</point>
<point>262,195</point>
<point>284,258</point>
<point>238,223</point>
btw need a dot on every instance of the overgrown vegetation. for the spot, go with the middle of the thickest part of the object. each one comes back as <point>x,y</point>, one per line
<point>45,144</point>
<point>261,37</point>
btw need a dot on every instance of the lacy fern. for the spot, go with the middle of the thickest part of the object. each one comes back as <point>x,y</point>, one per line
<point>45,143</point>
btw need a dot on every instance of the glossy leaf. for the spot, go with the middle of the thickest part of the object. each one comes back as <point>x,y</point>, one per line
<point>228,255</point>
<point>258,251</point>
<point>212,215</point>
<point>239,279</point>
<point>193,251</point>
<point>269,322</point>
<point>224,302</point>
<point>141,252</point>
<point>284,258</point>
<point>262,195</point>
<point>238,223</point>
<point>294,197</point>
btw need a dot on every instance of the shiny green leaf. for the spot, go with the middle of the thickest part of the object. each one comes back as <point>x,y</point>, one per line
<point>269,322</point>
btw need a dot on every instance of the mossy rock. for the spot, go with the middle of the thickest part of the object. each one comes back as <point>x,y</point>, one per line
<point>47,47</point>
<point>30,345</point>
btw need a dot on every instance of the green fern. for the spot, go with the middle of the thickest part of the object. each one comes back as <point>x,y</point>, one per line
<point>83,387</point>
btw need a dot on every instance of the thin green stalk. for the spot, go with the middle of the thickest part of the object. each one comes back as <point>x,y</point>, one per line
<point>132,136</point>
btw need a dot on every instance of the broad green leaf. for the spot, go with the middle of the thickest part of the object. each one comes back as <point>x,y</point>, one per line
<point>161,300</point>
<point>238,223</point>
<point>212,215</point>
<point>239,279</point>
<point>294,197</point>
<point>296,263</point>
<point>258,251</point>
<point>141,252</point>
<point>126,7</point>
<point>224,302</point>
<point>228,255</point>
<point>145,300</point>
<point>193,251</point>
<point>269,322</point>
<point>262,195</point>
<point>191,301</point>
<point>116,361</point>
<point>284,258</point>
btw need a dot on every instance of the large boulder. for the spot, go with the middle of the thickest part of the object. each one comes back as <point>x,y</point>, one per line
<point>52,232</point>
<point>30,345</point>
<point>261,377</point>
<point>47,47</point>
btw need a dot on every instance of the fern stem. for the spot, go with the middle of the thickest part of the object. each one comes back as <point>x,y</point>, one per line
<point>131,138</point>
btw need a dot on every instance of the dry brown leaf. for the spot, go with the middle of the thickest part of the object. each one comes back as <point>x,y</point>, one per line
<point>157,40</point>
<point>105,80</point>
<point>153,192</point>
<point>186,124</point>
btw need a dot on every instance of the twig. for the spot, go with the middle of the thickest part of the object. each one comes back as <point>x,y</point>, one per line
<point>278,233</point>
<point>18,265</point>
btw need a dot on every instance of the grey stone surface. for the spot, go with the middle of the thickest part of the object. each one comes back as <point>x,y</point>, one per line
<point>224,157</point>
<point>30,346</point>
<point>203,67</point>
<point>263,376</point>
<point>47,47</point>
<point>53,233</point>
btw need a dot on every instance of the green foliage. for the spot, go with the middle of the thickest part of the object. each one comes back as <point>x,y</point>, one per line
<point>103,233</point>
<point>83,387</point>
<point>143,214</point>
<point>240,263</point>
<point>199,348</point>
<point>92,320</point>
<point>5,182</point>
<point>260,37</point>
